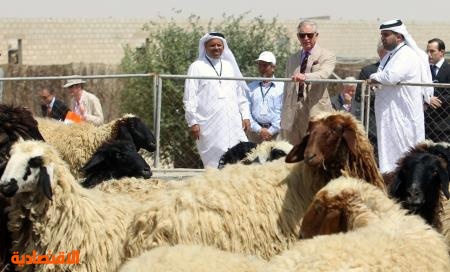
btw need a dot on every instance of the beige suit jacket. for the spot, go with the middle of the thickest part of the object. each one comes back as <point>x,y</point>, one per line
<point>295,114</point>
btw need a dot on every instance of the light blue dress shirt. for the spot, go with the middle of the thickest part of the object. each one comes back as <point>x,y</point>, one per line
<point>265,105</point>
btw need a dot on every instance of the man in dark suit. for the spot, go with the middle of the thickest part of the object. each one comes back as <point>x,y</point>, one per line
<point>345,99</point>
<point>52,107</point>
<point>437,114</point>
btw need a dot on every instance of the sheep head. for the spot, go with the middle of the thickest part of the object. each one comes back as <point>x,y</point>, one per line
<point>417,183</point>
<point>133,129</point>
<point>26,171</point>
<point>323,140</point>
<point>342,205</point>
<point>115,159</point>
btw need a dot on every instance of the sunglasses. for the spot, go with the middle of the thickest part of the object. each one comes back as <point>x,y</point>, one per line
<point>303,35</point>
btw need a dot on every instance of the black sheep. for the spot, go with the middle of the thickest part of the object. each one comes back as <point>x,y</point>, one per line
<point>114,160</point>
<point>420,176</point>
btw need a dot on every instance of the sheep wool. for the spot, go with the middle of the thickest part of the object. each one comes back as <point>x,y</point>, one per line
<point>381,237</point>
<point>189,258</point>
<point>91,221</point>
<point>252,209</point>
<point>139,189</point>
<point>77,142</point>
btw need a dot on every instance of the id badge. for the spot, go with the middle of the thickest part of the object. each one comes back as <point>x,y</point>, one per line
<point>264,109</point>
<point>221,92</point>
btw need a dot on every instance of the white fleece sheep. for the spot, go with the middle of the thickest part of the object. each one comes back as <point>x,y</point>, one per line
<point>77,142</point>
<point>88,220</point>
<point>187,258</point>
<point>381,236</point>
<point>253,209</point>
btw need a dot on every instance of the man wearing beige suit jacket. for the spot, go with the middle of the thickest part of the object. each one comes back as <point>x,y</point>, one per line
<point>302,100</point>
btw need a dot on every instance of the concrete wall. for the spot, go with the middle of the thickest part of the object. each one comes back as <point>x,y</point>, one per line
<point>62,41</point>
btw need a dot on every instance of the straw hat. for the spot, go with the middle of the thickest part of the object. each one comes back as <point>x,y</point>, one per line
<point>72,82</point>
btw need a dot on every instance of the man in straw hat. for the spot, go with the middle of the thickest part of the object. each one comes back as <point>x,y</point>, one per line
<point>84,103</point>
<point>399,109</point>
<point>217,111</point>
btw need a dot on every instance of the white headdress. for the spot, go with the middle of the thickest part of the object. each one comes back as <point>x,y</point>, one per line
<point>226,55</point>
<point>398,27</point>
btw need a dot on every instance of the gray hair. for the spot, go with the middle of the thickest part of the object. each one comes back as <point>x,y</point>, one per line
<point>350,84</point>
<point>308,22</point>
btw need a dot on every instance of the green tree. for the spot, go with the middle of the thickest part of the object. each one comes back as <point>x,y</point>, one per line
<point>169,49</point>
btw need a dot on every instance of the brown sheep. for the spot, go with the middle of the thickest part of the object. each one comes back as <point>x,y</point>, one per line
<point>336,142</point>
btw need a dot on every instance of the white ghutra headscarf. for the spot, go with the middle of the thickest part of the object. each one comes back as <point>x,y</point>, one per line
<point>398,27</point>
<point>226,54</point>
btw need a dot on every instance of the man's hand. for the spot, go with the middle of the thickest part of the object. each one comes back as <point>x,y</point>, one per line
<point>246,124</point>
<point>265,134</point>
<point>195,131</point>
<point>347,99</point>
<point>435,102</point>
<point>299,77</point>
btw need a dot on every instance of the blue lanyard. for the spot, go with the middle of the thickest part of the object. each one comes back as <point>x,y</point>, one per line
<point>262,93</point>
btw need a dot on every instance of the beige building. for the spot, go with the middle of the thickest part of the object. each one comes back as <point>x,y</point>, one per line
<point>61,41</point>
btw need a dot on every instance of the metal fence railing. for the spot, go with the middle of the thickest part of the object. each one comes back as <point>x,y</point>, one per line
<point>176,149</point>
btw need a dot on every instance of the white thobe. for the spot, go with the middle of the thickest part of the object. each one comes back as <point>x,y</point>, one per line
<point>217,106</point>
<point>398,109</point>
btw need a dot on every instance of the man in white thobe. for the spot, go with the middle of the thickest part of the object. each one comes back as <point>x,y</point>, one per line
<point>399,109</point>
<point>217,111</point>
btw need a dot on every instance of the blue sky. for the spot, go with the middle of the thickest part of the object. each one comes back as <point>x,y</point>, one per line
<point>436,10</point>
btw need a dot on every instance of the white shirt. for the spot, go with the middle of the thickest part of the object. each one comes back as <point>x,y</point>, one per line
<point>398,109</point>
<point>218,107</point>
<point>265,104</point>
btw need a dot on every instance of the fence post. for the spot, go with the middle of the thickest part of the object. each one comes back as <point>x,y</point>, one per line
<point>366,90</point>
<point>158,119</point>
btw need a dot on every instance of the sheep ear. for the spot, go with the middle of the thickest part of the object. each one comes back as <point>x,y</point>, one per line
<point>93,162</point>
<point>297,153</point>
<point>395,185</point>
<point>45,181</point>
<point>444,177</point>
<point>349,136</point>
<point>334,222</point>
<point>124,134</point>
<point>3,138</point>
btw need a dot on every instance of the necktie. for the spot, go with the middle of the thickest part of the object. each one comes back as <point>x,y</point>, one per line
<point>302,70</point>
<point>433,71</point>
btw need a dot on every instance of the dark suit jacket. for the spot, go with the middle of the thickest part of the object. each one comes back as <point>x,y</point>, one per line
<point>59,110</point>
<point>365,73</point>
<point>437,121</point>
<point>338,104</point>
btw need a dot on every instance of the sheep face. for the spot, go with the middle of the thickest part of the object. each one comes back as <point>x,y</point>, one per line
<point>115,160</point>
<point>135,130</point>
<point>323,140</point>
<point>418,181</point>
<point>25,172</point>
<point>326,215</point>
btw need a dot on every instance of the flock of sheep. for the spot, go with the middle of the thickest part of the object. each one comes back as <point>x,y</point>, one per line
<point>324,207</point>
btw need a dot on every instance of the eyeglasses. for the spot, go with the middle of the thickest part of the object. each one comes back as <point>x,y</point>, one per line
<point>303,35</point>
